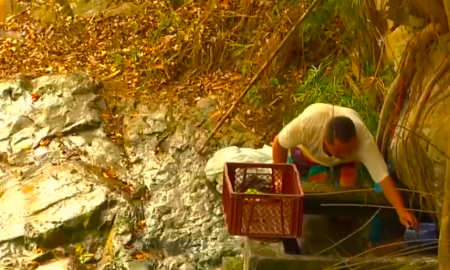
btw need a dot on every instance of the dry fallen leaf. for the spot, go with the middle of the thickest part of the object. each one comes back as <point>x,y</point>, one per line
<point>141,225</point>
<point>216,116</point>
<point>225,4</point>
<point>97,47</point>
<point>26,189</point>
<point>106,115</point>
<point>141,255</point>
<point>128,188</point>
<point>142,222</point>
<point>116,136</point>
<point>86,255</point>
<point>134,114</point>
<point>111,174</point>
<point>45,142</point>
<point>35,96</point>
<point>79,250</point>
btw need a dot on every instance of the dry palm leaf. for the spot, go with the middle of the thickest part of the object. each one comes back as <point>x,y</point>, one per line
<point>111,174</point>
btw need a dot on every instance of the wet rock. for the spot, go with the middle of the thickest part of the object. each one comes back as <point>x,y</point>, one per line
<point>207,105</point>
<point>156,123</point>
<point>88,8</point>
<point>56,194</point>
<point>48,13</point>
<point>44,257</point>
<point>63,264</point>
<point>181,218</point>
<point>187,266</point>
<point>243,138</point>
<point>51,196</point>
<point>176,262</point>
<point>142,265</point>
<point>11,35</point>
<point>51,200</point>
<point>179,140</point>
<point>14,6</point>
<point>140,192</point>
<point>125,9</point>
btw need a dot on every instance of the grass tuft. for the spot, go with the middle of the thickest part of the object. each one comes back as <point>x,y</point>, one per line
<point>326,84</point>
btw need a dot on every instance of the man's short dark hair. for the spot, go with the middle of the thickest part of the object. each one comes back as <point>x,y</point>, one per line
<point>340,128</point>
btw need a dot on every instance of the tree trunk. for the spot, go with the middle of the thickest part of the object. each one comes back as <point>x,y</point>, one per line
<point>444,238</point>
<point>406,70</point>
<point>3,10</point>
<point>447,10</point>
<point>434,9</point>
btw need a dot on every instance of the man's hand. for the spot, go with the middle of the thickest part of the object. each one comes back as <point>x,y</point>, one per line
<point>407,219</point>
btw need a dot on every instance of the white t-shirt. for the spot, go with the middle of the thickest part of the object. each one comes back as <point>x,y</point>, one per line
<point>307,132</point>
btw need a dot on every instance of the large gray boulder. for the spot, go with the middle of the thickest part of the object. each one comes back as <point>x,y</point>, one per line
<point>56,194</point>
<point>53,150</point>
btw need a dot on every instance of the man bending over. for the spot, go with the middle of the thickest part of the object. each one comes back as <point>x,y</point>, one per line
<point>326,136</point>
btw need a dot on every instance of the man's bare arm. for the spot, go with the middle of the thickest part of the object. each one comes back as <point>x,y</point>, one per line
<point>279,153</point>
<point>393,195</point>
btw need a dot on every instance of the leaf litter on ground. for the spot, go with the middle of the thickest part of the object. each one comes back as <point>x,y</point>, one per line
<point>161,56</point>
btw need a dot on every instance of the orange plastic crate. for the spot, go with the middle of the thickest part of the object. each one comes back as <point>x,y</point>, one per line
<point>276,212</point>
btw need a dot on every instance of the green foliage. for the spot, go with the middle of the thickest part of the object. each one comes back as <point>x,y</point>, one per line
<point>244,70</point>
<point>352,18</point>
<point>238,49</point>
<point>234,264</point>
<point>316,23</point>
<point>326,84</point>
<point>134,55</point>
<point>254,97</point>
<point>281,5</point>
<point>116,59</point>
<point>388,74</point>
<point>134,26</point>
<point>275,82</point>
<point>163,25</point>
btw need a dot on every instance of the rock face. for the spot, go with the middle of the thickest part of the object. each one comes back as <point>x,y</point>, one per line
<point>58,192</point>
<point>184,217</point>
<point>47,191</point>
